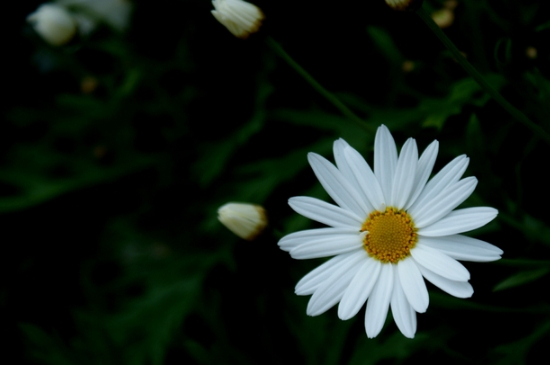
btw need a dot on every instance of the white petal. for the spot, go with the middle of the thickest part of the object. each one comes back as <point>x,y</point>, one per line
<point>328,246</point>
<point>439,263</point>
<point>345,167</point>
<point>413,285</point>
<point>325,213</point>
<point>242,11</point>
<point>459,289</point>
<point>449,174</point>
<point>403,313</point>
<point>464,248</point>
<point>331,291</point>
<point>292,240</point>
<point>378,302</point>
<point>405,172</point>
<point>458,221</point>
<point>309,283</point>
<point>444,203</point>
<point>423,171</point>
<point>336,185</point>
<point>359,289</point>
<point>365,178</point>
<point>385,159</point>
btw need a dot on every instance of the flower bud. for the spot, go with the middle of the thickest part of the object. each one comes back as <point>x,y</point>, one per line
<point>90,13</point>
<point>444,18</point>
<point>239,17</point>
<point>531,52</point>
<point>245,220</point>
<point>53,23</point>
<point>404,5</point>
<point>407,66</point>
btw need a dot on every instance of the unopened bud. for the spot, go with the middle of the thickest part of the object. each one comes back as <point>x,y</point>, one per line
<point>245,220</point>
<point>88,84</point>
<point>531,52</point>
<point>404,5</point>
<point>450,4</point>
<point>407,66</point>
<point>239,17</point>
<point>53,23</point>
<point>444,18</point>
<point>89,13</point>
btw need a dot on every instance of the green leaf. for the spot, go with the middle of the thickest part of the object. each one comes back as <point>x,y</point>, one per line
<point>385,44</point>
<point>503,47</point>
<point>36,189</point>
<point>536,230</point>
<point>46,347</point>
<point>264,180</point>
<point>517,352</point>
<point>542,27</point>
<point>154,318</point>
<point>522,277</point>
<point>523,263</point>
<point>462,92</point>
<point>216,155</point>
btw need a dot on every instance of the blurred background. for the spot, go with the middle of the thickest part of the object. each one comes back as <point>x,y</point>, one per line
<point>118,147</point>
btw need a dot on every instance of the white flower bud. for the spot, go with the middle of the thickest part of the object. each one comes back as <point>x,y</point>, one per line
<point>531,52</point>
<point>114,13</point>
<point>240,17</point>
<point>245,220</point>
<point>402,5</point>
<point>53,23</point>
<point>444,18</point>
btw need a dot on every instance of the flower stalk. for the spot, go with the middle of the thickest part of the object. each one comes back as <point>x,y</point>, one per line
<point>319,88</point>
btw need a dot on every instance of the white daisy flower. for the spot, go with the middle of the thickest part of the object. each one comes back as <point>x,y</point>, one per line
<point>239,17</point>
<point>391,229</point>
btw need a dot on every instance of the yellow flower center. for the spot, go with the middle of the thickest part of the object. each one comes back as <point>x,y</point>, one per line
<point>391,235</point>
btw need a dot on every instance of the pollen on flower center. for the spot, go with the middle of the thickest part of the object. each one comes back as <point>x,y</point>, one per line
<point>391,235</point>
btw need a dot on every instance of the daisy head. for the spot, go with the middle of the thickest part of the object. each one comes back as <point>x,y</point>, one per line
<point>390,230</point>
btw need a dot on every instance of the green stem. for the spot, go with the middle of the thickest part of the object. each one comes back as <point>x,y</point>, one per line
<point>317,86</point>
<point>423,14</point>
